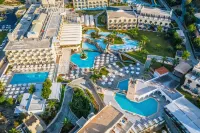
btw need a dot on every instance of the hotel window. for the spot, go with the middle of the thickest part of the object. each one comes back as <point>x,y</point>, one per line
<point>129,20</point>
<point>110,21</point>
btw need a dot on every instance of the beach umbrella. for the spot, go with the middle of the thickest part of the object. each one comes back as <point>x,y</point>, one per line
<point>137,73</point>
<point>17,88</point>
<point>111,79</point>
<point>19,85</point>
<point>106,79</point>
<point>14,85</point>
<point>24,84</point>
<point>113,76</point>
<point>132,68</point>
<point>117,66</point>
<point>126,68</point>
<point>110,83</point>
<point>10,96</point>
<point>114,64</point>
<point>121,70</point>
<point>130,65</point>
<point>103,83</point>
<point>6,93</point>
<point>121,74</point>
<point>127,71</point>
<point>15,96</point>
<point>13,89</point>
<point>103,76</point>
<point>138,68</point>
<point>138,64</point>
<point>109,66</point>
<point>132,72</point>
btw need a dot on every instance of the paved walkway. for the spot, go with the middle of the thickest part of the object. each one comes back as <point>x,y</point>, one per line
<point>181,27</point>
<point>56,126</point>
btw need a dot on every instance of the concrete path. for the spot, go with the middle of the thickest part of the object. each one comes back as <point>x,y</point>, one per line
<point>181,27</point>
<point>57,124</point>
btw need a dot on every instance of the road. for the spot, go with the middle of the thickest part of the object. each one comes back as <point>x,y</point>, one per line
<point>180,25</point>
<point>56,126</point>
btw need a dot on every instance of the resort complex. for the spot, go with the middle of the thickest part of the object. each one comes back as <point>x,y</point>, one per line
<point>98,67</point>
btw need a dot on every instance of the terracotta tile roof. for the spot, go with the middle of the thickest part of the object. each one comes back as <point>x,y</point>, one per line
<point>162,70</point>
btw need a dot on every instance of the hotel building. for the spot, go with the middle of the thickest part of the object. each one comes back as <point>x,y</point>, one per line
<point>84,4</point>
<point>119,20</point>
<point>153,17</point>
<point>108,120</point>
<point>29,51</point>
<point>192,81</point>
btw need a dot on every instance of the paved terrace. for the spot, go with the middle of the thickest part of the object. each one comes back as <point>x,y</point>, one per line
<point>27,44</point>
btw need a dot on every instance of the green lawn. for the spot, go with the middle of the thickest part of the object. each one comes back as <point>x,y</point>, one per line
<point>118,40</point>
<point>194,100</point>
<point>155,38</point>
<point>88,12</point>
<point>2,1</point>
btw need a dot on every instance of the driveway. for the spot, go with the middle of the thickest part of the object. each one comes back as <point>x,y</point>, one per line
<point>56,126</point>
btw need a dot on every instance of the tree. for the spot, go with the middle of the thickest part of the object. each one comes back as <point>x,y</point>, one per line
<point>46,91</point>
<point>179,47</point>
<point>9,101</point>
<point>51,104</point>
<point>186,55</point>
<point>187,2</point>
<point>2,88</point>
<point>144,40</point>
<point>197,41</point>
<point>175,62</point>
<point>157,46</point>
<point>13,130</point>
<point>16,124</point>
<point>66,125</point>
<point>153,61</point>
<point>31,89</point>
<point>2,99</point>
<point>159,28</point>
<point>164,59</point>
<point>191,28</point>
<point>133,32</point>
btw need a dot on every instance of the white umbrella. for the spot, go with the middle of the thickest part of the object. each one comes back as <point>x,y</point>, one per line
<point>23,88</point>
<point>130,65</point>
<point>9,96</point>
<point>11,92</point>
<point>109,74</point>
<point>117,66</point>
<point>113,76</point>
<point>13,89</point>
<point>19,85</point>
<point>115,57</point>
<point>114,64</point>
<point>15,96</point>
<point>6,93</point>
<point>138,64</point>
<point>137,73</point>
<point>109,83</point>
<point>127,71</point>
<point>121,74</point>
<point>121,69</point>
<point>109,66</point>
<point>132,72</point>
<point>111,79</point>
<point>17,89</point>
<point>116,72</point>
<point>103,76</point>
<point>71,75</point>
<point>16,92</point>
<point>24,85</point>
<point>132,68</point>
<point>111,59</point>
<point>138,68</point>
<point>21,92</point>
<point>103,83</point>
<point>14,85</point>
<point>126,67</point>
<point>106,79</point>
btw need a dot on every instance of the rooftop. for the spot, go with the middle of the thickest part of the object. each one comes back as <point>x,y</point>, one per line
<point>162,70</point>
<point>55,91</point>
<point>186,113</point>
<point>103,121</point>
<point>182,67</point>
<point>155,11</point>
<point>121,14</point>
<point>27,44</point>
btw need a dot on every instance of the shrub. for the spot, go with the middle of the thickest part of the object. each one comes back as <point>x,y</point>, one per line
<point>31,89</point>
<point>46,91</point>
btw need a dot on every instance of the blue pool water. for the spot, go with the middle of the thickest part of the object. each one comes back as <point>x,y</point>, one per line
<point>123,85</point>
<point>138,108</point>
<point>87,45</point>
<point>22,78</point>
<point>101,43</point>
<point>87,63</point>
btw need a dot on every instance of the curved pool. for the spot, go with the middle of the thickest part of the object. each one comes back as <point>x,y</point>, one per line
<point>123,85</point>
<point>144,108</point>
<point>87,63</point>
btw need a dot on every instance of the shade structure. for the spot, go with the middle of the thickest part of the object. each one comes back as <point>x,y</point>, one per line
<point>109,83</point>
<point>103,83</point>
<point>111,79</point>
<point>137,73</point>
<point>105,79</point>
<point>103,76</point>
<point>121,70</point>
<point>132,72</point>
<point>130,65</point>
<point>121,74</point>
<point>138,64</point>
<point>117,66</point>
<point>109,66</point>
<point>127,71</point>
<point>116,72</point>
<point>126,68</point>
<point>138,68</point>
<point>132,68</point>
<point>114,64</point>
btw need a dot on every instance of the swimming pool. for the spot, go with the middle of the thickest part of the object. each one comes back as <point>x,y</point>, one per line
<point>144,108</point>
<point>89,46</point>
<point>87,63</point>
<point>123,85</point>
<point>21,78</point>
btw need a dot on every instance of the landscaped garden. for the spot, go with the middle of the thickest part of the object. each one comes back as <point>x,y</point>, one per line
<point>80,104</point>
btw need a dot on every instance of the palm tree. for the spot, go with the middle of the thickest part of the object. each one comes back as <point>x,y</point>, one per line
<point>153,61</point>
<point>175,62</point>
<point>159,28</point>
<point>51,105</point>
<point>13,130</point>
<point>186,55</point>
<point>164,59</point>
<point>144,40</point>
<point>2,88</point>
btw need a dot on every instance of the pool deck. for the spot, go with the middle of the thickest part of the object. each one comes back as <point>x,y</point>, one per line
<point>135,119</point>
